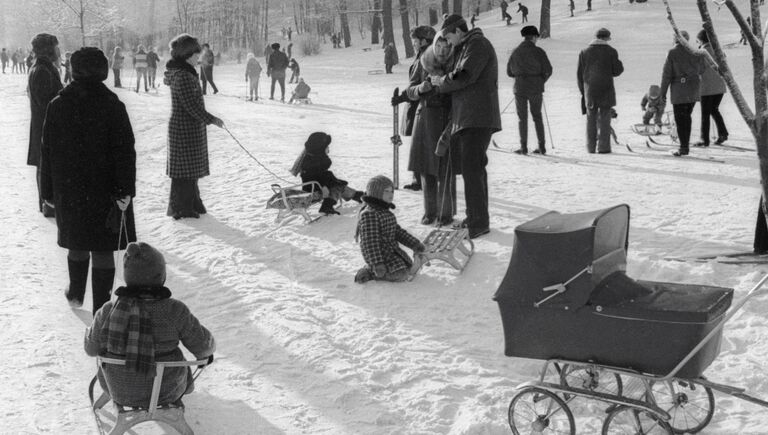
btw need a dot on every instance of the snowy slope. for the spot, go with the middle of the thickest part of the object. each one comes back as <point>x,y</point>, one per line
<point>301,348</point>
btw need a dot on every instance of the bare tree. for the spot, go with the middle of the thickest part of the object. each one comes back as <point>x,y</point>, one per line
<point>445,8</point>
<point>376,22</point>
<point>457,6</point>
<point>544,27</point>
<point>344,22</point>
<point>406,29</point>
<point>389,34</point>
<point>91,16</point>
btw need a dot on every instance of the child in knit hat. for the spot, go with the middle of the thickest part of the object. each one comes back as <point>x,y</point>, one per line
<point>142,326</point>
<point>379,236</point>
<point>314,165</point>
<point>653,105</point>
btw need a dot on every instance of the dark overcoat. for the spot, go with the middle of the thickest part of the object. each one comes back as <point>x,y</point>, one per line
<point>711,82</point>
<point>277,64</point>
<point>380,237</point>
<point>88,161</point>
<point>187,129</point>
<point>598,65</point>
<point>44,83</point>
<point>530,67</point>
<point>682,73</point>
<point>474,85</point>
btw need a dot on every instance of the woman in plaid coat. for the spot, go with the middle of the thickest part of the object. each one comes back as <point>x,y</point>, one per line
<point>380,235</point>
<point>187,136</point>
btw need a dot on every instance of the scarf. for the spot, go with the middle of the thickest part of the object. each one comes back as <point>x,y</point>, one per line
<point>182,65</point>
<point>129,328</point>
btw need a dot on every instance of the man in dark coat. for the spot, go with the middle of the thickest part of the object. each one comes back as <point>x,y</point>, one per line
<point>682,71</point>
<point>44,83</point>
<point>598,65</point>
<point>4,59</point>
<point>504,14</point>
<point>475,115</point>
<point>276,66</point>
<point>390,57</point>
<point>206,69</point>
<point>530,67</point>
<point>89,173</point>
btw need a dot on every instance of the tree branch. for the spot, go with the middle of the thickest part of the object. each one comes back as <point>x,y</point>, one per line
<point>754,43</point>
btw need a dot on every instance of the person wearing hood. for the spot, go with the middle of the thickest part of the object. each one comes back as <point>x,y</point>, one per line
<point>276,66</point>
<point>252,75</point>
<point>89,173</point>
<point>43,83</point>
<point>711,91</point>
<point>598,65</point>
<point>653,106</point>
<point>473,85</point>
<point>187,129</point>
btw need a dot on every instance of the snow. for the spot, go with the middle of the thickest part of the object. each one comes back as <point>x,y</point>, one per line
<point>303,349</point>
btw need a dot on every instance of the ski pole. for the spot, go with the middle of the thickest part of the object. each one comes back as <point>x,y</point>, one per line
<point>508,104</point>
<point>544,105</point>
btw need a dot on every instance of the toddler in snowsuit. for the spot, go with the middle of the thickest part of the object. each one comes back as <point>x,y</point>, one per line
<point>653,105</point>
<point>379,236</point>
<point>313,164</point>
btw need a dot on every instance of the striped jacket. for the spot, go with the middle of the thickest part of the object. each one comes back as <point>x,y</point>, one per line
<point>140,60</point>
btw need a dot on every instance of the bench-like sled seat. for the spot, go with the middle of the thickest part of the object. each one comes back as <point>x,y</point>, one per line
<point>442,244</point>
<point>295,200</point>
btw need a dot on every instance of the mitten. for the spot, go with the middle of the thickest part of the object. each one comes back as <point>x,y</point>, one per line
<point>402,98</point>
<point>419,248</point>
<point>425,87</point>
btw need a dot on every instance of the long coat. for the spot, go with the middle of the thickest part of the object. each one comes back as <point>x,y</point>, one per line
<point>598,65</point>
<point>530,67</point>
<point>711,82</point>
<point>380,237</point>
<point>187,132</point>
<point>88,161</point>
<point>277,64</point>
<point>474,85</point>
<point>44,83</point>
<point>681,73</point>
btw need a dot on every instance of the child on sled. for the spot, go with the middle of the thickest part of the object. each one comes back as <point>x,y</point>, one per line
<point>653,105</point>
<point>380,236</point>
<point>313,164</point>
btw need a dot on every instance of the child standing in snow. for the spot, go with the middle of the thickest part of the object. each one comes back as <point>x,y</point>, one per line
<point>295,71</point>
<point>314,165</point>
<point>379,236</point>
<point>252,73</point>
<point>653,105</point>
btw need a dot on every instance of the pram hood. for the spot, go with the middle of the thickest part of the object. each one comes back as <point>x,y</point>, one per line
<point>556,248</point>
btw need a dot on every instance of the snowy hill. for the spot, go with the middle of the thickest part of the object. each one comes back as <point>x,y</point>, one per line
<point>303,349</point>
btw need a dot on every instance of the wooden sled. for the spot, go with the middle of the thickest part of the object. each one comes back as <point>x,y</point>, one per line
<point>302,101</point>
<point>294,200</point>
<point>442,244</point>
<point>171,414</point>
<point>375,71</point>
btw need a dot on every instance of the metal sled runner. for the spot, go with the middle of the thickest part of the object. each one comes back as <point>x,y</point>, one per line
<point>442,245</point>
<point>295,200</point>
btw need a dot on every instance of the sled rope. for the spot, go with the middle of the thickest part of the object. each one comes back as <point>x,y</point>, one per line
<point>122,231</point>
<point>255,159</point>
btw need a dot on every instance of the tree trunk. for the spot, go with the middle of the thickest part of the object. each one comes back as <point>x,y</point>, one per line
<point>389,34</point>
<point>432,16</point>
<point>406,28</point>
<point>376,22</point>
<point>544,28</point>
<point>344,22</point>
<point>457,7</point>
<point>445,7</point>
<point>152,30</point>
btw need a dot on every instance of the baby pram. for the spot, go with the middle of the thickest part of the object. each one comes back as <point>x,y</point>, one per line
<point>639,346</point>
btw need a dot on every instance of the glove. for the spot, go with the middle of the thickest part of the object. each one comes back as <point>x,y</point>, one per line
<point>379,270</point>
<point>402,98</point>
<point>419,249</point>
<point>425,87</point>
<point>218,122</point>
<point>123,202</point>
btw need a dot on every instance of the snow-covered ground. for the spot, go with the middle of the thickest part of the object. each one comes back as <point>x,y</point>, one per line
<point>301,348</point>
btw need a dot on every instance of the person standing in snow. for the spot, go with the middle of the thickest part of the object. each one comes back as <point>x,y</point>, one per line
<point>117,65</point>
<point>523,10</point>
<point>187,134</point>
<point>144,325</point>
<point>653,106</point>
<point>475,114</point>
<point>504,14</point>
<point>140,64</point>
<point>67,67</point>
<point>295,71</point>
<point>278,62</point>
<point>152,60</point>
<point>4,59</point>
<point>252,73</point>
<point>89,173</point>
<point>598,65</point>
<point>530,67</point>
<point>390,57</point>
<point>682,76</point>
<point>43,84</point>
<point>380,236</point>
<point>711,92</point>
<point>206,69</point>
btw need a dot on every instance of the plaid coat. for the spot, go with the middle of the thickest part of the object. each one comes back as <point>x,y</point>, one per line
<point>380,236</point>
<point>187,135</point>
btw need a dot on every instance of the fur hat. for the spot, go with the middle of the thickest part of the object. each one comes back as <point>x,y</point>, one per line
<point>702,36</point>
<point>89,64</point>
<point>451,23</point>
<point>376,186</point>
<point>317,142</point>
<point>143,265</point>
<point>184,46</point>
<point>275,46</point>
<point>423,32</point>
<point>603,33</point>
<point>44,45</point>
<point>529,31</point>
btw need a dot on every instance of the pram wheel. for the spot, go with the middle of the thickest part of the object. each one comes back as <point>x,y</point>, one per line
<point>690,405</point>
<point>537,411</point>
<point>591,378</point>
<point>624,420</point>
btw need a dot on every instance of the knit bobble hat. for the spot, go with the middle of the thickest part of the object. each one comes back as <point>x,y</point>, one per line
<point>275,46</point>
<point>143,266</point>
<point>529,31</point>
<point>376,186</point>
<point>603,33</point>
<point>89,65</point>
<point>317,142</point>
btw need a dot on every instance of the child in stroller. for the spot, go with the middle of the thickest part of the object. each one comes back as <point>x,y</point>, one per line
<point>653,106</point>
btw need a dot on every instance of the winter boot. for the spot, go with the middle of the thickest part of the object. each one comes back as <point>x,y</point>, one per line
<point>358,196</point>
<point>78,276</point>
<point>683,151</point>
<point>363,275</point>
<point>101,285</point>
<point>326,207</point>
<point>522,151</point>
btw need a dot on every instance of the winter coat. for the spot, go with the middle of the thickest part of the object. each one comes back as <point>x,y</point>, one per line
<point>682,72</point>
<point>117,61</point>
<point>152,60</point>
<point>89,161</point>
<point>207,58</point>
<point>380,236</point>
<point>648,103</point>
<point>294,66</point>
<point>530,67</point>
<point>302,90</point>
<point>140,60</point>
<point>474,85</point>
<point>4,57</point>
<point>598,65</point>
<point>252,68</point>
<point>390,57</point>
<point>187,133</point>
<point>172,322</point>
<point>44,83</point>
<point>277,64</point>
<point>316,167</point>
<point>711,82</point>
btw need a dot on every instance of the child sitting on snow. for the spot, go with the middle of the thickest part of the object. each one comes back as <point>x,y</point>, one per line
<point>143,325</point>
<point>313,164</point>
<point>379,236</point>
<point>653,104</point>
<point>301,91</point>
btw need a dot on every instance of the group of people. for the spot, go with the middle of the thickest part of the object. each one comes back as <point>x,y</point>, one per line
<point>20,62</point>
<point>521,9</point>
<point>144,62</point>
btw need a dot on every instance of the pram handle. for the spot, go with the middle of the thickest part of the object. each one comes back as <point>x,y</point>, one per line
<point>732,312</point>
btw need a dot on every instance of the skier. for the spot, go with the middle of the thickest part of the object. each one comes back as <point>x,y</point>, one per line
<point>380,236</point>
<point>140,64</point>
<point>4,59</point>
<point>301,92</point>
<point>278,62</point>
<point>117,65</point>
<point>143,325</point>
<point>206,69</point>
<point>530,67</point>
<point>523,10</point>
<point>91,184</point>
<point>152,60</point>
<point>653,105</point>
<point>252,73</point>
<point>295,71</point>
<point>711,91</point>
<point>313,164</point>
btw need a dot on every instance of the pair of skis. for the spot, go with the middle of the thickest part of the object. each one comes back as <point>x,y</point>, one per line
<point>745,257</point>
